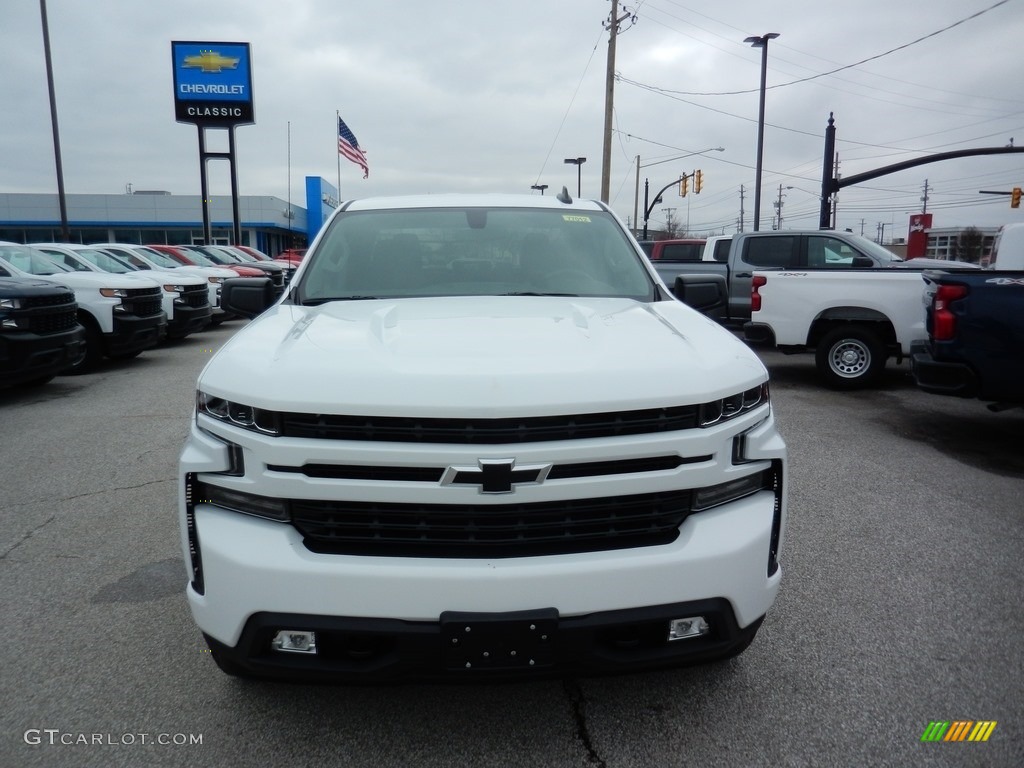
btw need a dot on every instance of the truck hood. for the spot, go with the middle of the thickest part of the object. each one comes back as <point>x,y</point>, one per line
<point>97,280</point>
<point>480,357</point>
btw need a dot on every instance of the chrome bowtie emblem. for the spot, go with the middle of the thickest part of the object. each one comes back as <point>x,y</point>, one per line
<point>495,475</point>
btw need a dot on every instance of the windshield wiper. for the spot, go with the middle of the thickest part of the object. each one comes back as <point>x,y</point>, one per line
<point>537,293</point>
<point>318,302</point>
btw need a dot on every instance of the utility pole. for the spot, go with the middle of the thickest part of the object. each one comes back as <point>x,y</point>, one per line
<point>670,222</point>
<point>778,210</point>
<point>924,199</point>
<point>741,209</point>
<point>612,25</point>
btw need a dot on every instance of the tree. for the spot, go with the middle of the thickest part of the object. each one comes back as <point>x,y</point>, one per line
<point>969,245</point>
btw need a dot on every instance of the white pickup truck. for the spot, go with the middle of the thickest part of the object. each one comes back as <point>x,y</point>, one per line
<point>121,315</point>
<point>478,437</point>
<point>851,314</point>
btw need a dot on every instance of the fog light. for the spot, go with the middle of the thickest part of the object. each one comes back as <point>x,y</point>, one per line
<point>682,629</point>
<point>292,641</point>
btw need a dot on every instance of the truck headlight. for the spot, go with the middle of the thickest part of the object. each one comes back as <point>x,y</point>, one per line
<point>10,303</point>
<point>114,293</point>
<point>732,406</point>
<point>241,415</point>
<point>174,288</point>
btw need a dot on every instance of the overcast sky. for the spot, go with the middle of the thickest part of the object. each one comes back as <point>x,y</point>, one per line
<point>456,96</point>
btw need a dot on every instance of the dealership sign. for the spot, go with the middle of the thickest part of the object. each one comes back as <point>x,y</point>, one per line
<point>212,83</point>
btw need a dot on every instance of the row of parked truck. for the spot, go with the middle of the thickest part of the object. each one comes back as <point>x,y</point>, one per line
<point>855,305</point>
<point>64,307</point>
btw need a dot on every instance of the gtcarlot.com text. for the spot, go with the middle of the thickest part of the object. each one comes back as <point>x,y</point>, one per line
<point>57,737</point>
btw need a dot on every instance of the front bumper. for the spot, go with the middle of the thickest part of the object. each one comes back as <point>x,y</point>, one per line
<point>474,647</point>
<point>25,356</point>
<point>259,577</point>
<point>133,333</point>
<point>188,320</point>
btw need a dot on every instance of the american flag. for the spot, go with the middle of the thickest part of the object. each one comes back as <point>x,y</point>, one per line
<point>348,147</point>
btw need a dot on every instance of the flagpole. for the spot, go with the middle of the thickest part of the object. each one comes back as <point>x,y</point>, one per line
<point>337,117</point>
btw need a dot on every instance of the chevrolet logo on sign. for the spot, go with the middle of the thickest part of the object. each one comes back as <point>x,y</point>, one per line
<point>210,61</point>
<point>496,475</point>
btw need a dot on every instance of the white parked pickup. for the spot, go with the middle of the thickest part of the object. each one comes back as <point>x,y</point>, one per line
<point>477,437</point>
<point>853,319</point>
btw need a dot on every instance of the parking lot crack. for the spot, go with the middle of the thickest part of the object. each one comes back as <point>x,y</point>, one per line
<point>579,704</point>
<point>28,535</point>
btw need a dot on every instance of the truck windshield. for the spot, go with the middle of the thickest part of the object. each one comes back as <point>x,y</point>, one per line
<point>30,260</point>
<point>472,252</point>
<point>883,255</point>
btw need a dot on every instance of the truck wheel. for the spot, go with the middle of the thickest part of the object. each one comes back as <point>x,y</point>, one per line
<point>850,357</point>
<point>93,351</point>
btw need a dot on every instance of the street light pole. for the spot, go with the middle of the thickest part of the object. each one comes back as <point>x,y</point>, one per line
<point>762,43</point>
<point>578,162</point>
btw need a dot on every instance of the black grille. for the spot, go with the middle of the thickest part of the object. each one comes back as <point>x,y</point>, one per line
<point>487,530</point>
<point>488,431</point>
<point>434,474</point>
<point>195,295</point>
<point>53,322</point>
<point>143,301</point>
<point>52,300</point>
<point>277,278</point>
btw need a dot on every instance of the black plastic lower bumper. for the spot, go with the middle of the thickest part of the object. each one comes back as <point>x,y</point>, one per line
<point>26,356</point>
<point>758,333</point>
<point>133,333</point>
<point>485,646</point>
<point>188,320</point>
<point>941,378</point>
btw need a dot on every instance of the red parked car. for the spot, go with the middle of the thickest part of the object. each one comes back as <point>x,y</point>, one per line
<point>187,255</point>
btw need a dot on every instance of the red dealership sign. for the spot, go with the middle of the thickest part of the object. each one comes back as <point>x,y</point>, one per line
<point>917,237</point>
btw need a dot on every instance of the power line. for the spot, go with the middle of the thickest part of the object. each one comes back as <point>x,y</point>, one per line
<point>837,69</point>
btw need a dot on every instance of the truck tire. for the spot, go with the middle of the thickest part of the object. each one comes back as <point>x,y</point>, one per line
<point>850,357</point>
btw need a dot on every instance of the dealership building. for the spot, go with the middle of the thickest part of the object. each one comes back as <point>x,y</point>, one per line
<point>154,217</point>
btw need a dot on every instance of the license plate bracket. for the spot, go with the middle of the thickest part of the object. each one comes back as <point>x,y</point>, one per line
<point>476,642</point>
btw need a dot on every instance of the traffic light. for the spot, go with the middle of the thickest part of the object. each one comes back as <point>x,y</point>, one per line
<point>1015,198</point>
<point>684,184</point>
<point>698,182</point>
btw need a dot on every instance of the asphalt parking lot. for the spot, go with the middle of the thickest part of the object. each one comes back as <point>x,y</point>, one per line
<point>901,605</point>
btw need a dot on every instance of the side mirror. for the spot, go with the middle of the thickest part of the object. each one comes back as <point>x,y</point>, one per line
<point>862,262</point>
<point>247,296</point>
<point>706,293</point>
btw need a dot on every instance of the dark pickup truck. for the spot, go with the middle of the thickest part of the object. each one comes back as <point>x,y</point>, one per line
<point>39,331</point>
<point>975,344</point>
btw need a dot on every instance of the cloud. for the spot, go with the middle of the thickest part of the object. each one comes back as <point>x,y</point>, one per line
<point>453,96</point>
